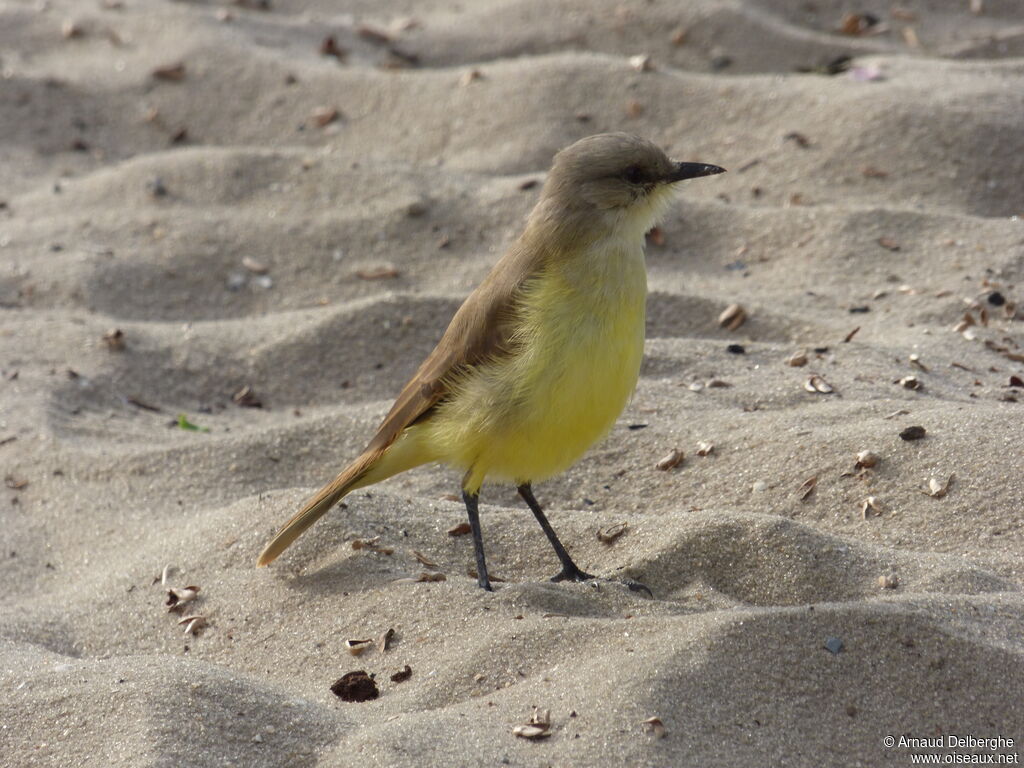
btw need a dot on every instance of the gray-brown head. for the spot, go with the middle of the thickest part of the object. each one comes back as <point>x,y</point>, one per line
<point>615,177</point>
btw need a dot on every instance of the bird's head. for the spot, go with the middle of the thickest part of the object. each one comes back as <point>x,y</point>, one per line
<point>618,176</point>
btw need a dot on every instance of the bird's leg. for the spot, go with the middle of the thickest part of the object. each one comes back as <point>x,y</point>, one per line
<point>478,539</point>
<point>570,571</point>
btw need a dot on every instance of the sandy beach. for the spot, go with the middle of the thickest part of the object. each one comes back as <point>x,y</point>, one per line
<point>229,233</point>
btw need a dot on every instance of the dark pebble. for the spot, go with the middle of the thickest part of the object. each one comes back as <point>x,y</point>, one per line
<point>736,349</point>
<point>996,299</point>
<point>355,686</point>
<point>833,645</point>
<point>913,433</point>
<point>859,310</point>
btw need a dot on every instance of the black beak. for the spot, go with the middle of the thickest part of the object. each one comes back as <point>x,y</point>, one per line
<point>692,171</point>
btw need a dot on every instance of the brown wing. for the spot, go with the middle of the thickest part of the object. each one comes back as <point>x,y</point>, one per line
<point>480,330</point>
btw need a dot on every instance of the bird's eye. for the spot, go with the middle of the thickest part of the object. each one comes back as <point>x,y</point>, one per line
<point>633,174</point>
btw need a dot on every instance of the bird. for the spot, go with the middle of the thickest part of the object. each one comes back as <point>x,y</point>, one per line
<point>541,358</point>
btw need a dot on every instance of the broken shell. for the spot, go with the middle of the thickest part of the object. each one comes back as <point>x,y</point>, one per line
<point>732,317</point>
<point>671,460</point>
<point>866,459</point>
<point>611,533</point>
<point>915,360</point>
<point>910,382</point>
<point>541,717</point>
<point>254,266</point>
<point>871,506</point>
<point>938,488</point>
<point>356,647</point>
<point>384,642</point>
<point>177,597</point>
<point>193,624</point>
<point>530,732</point>
<point>807,488</point>
<point>705,448</point>
<point>641,63</point>
<point>655,726</point>
<point>818,385</point>
<point>797,359</point>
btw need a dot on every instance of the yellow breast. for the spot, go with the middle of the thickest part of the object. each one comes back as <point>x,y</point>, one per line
<point>532,415</point>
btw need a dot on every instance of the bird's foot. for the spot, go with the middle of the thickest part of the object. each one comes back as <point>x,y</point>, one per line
<point>572,574</point>
<point>575,574</point>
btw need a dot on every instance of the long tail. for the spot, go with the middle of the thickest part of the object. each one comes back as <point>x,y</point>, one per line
<point>369,468</point>
<point>316,508</point>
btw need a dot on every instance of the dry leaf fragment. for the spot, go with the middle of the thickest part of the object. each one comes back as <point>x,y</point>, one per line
<point>71,29</point>
<point>849,337</point>
<point>915,360</point>
<point>427,577</point>
<point>177,597</point>
<point>938,488</point>
<point>373,34</point>
<point>470,76</point>
<point>655,726</point>
<point>247,398</point>
<point>807,488</point>
<point>732,317</point>
<point>114,339</point>
<point>798,138</point>
<point>1016,381</point>
<point>634,108</point>
<point>656,236</point>
<point>423,559</point>
<point>870,172</point>
<point>372,546</point>
<point>15,484</point>
<point>193,624</point>
<point>817,384</point>
<point>170,72</point>
<point>866,460</point>
<point>611,533</point>
<point>356,647</point>
<point>671,460</point>
<point>889,243</point>
<point>871,506</point>
<point>797,359</point>
<point>678,36</point>
<point>459,530</point>
<point>705,448</point>
<point>330,47</point>
<point>385,272</point>
<point>857,24</point>
<point>402,675</point>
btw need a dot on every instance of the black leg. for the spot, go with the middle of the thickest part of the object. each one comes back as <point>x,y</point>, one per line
<point>570,571</point>
<point>478,540</point>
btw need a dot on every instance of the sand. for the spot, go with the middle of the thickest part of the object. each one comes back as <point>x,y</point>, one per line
<point>268,216</point>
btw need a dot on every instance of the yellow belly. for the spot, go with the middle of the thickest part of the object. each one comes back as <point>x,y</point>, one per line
<point>532,415</point>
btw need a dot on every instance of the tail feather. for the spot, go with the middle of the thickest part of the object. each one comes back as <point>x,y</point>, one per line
<point>371,467</point>
<point>317,507</point>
